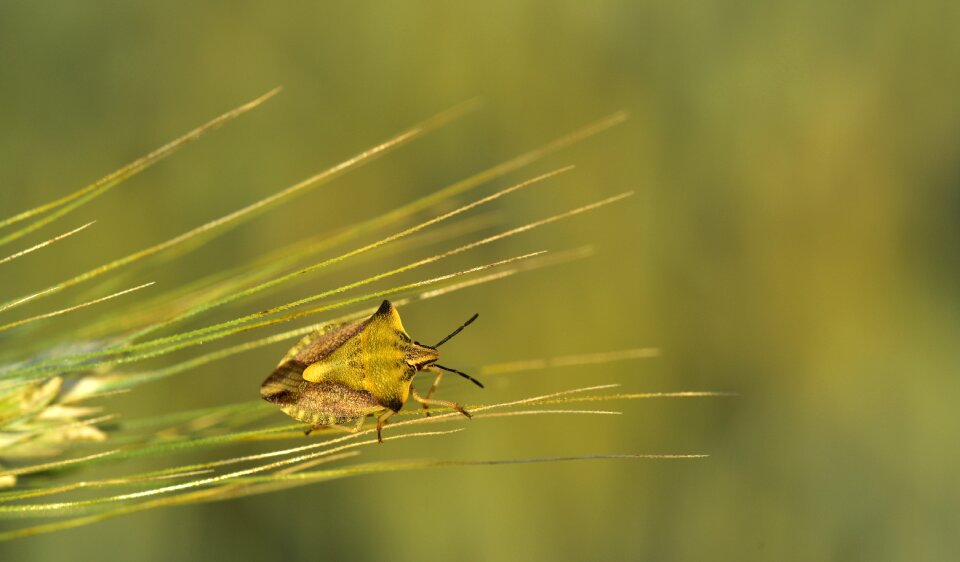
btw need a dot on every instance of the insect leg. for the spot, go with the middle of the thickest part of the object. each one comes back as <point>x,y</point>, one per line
<point>382,418</point>
<point>432,402</point>
<point>436,382</point>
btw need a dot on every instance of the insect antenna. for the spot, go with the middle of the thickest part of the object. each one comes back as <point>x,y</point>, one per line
<point>461,373</point>
<point>455,332</point>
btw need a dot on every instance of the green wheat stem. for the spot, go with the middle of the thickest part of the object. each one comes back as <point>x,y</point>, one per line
<point>68,203</point>
<point>45,243</point>
<point>218,226</point>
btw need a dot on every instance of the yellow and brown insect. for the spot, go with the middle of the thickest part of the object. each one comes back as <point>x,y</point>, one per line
<point>342,375</point>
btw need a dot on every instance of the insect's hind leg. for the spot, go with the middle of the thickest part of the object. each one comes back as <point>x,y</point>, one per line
<point>431,402</point>
<point>351,429</point>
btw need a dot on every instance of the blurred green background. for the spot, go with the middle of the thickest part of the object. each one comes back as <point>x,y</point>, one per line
<point>794,238</point>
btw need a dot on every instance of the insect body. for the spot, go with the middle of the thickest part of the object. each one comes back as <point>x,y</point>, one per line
<point>351,371</point>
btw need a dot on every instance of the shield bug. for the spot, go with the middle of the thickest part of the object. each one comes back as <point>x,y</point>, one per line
<point>342,375</point>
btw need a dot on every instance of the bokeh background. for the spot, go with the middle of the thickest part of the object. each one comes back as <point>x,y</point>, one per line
<point>793,238</point>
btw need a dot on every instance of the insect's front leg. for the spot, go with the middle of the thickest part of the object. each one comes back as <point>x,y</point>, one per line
<point>433,388</point>
<point>431,402</point>
<point>380,420</point>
